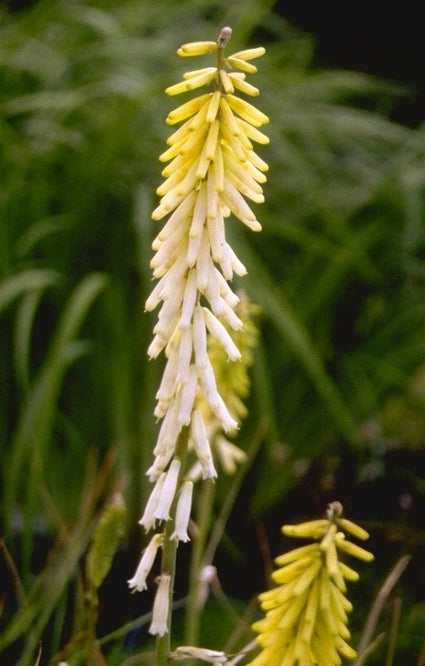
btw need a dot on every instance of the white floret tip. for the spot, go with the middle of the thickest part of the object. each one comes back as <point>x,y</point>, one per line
<point>138,582</point>
<point>161,605</point>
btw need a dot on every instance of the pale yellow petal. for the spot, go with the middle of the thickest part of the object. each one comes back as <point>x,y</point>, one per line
<point>187,109</point>
<point>226,81</point>
<point>293,555</point>
<point>353,529</point>
<point>213,106</point>
<point>199,72</point>
<point>247,111</point>
<point>240,177</point>
<point>194,82</point>
<point>249,54</point>
<point>180,163</point>
<point>252,132</point>
<point>218,166</point>
<point>211,142</point>
<point>243,86</point>
<point>241,64</point>
<point>312,529</point>
<point>237,204</point>
<point>355,550</point>
<point>254,172</point>
<point>257,162</point>
<point>212,196</point>
<point>228,140</point>
<point>228,119</point>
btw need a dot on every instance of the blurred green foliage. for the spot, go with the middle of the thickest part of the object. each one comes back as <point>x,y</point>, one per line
<point>338,271</point>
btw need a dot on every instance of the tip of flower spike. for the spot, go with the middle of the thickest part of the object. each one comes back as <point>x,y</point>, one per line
<point>224,36</point>
<point>334,510</point>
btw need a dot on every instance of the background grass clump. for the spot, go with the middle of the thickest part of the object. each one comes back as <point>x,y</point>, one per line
<point>338,400</point>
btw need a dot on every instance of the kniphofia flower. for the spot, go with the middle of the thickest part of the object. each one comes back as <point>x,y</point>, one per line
<point>212,168</point>
<point>306,614</point>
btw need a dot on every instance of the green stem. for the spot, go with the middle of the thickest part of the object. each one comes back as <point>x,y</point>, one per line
<point>197,562</point>
<point>169,553</point>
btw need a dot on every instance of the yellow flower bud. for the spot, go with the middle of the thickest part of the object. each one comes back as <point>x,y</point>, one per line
<point>247,111</point>
<point>353,549</point>
<point>298,553</point>
<point>312,529</point>
<point>201,79</point>
<point>186,110</point>
<point>196,48</point>
<point>238,81</point>
<point>352,528</point>
<point>241,64</point>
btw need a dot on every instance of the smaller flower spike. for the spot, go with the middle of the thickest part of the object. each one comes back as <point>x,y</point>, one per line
<point>306,614</point>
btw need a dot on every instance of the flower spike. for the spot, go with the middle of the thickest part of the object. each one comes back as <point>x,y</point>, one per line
<point>204,329</point>
<point>211,170</point>
<point>306,614</point>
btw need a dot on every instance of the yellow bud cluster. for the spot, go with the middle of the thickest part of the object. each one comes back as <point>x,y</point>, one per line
<point>215,143</point>
<point>307,613</point>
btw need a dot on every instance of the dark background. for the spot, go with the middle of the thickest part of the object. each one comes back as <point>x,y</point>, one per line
<point>384,39</point>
